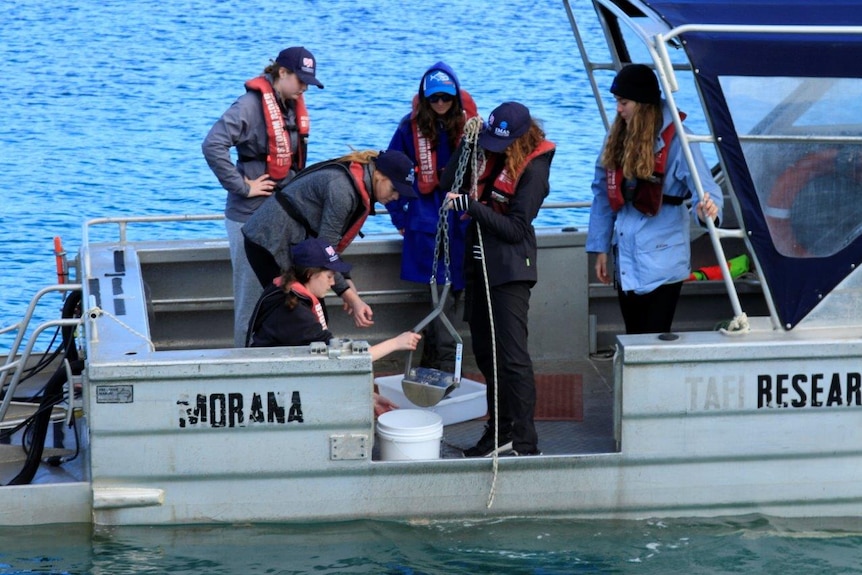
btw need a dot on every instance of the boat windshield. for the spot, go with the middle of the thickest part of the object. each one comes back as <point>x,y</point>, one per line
<point>796,135</point>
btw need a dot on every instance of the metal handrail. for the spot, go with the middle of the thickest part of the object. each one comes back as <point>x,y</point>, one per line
<point>21,362</point>
<point>22,325</point>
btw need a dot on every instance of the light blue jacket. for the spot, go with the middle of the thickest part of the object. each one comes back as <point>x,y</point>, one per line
<point>651,250</point>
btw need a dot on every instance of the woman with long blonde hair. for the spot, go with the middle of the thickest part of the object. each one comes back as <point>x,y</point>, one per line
<point>639,212</point>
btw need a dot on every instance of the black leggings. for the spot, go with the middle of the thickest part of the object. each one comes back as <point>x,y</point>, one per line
<point>650,312</point>
<point>516,396</point>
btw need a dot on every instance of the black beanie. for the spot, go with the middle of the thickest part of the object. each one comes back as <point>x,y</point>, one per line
<point>637,82</point>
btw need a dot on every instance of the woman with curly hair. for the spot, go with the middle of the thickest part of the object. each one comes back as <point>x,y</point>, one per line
<point>641,184</point>
<point>501,269</point>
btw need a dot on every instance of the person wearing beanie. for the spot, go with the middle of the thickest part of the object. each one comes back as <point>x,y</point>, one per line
<point>640,188</point>
<point>329,200</point>
<point>292,310</point>
<point>428,135</point>
<point>269,127</point>
<point>501,265</point>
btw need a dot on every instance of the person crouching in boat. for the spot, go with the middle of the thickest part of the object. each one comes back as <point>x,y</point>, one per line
<point>329,200</point>
<point>501,254</point>
<point>639,191</point>
<point>291,311</point>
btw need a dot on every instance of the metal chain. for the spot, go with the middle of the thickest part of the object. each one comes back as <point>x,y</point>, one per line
<point>472,128</point>
<point>442,237</point>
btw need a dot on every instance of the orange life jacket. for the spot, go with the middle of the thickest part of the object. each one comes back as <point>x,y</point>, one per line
<point>504,186</point>
<point>426,153</point>
<point>357,170</point>
<point>316,307</point>
<point>648,193</point>
<point>279,158</point>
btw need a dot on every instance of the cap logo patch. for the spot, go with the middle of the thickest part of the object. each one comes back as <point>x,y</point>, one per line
<point>330,251</point>
<point>410,178</point>
<point>439,76</point>
<point>502,130</point>
<point>308,64</point>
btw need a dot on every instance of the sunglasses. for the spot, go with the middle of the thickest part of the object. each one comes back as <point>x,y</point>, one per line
<point>445,98</point>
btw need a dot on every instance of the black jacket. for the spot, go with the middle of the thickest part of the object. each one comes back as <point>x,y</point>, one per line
<point>509,239</point>
<point>274,324</point>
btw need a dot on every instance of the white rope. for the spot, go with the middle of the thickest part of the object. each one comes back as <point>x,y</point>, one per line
<point>96,311</point>
<point>737,326</point>
<point>495,457</point>
<point>472,129</point>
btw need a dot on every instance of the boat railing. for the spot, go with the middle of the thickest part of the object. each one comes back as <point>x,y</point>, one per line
<point>15,363</point>
<point>124,222</point>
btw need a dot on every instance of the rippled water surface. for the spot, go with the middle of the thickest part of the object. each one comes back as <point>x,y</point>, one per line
<point>515,546</point>
<point>106,102</point>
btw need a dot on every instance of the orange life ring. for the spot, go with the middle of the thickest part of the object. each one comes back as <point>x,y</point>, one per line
<point>784,192</point>
<point>61,261</point>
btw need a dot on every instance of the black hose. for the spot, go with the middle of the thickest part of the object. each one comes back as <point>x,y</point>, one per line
<point>53,394</point>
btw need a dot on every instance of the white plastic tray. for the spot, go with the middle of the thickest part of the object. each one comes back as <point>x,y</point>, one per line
<point>465,403</point>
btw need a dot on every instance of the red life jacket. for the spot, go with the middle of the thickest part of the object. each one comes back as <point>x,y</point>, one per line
<point>357,171</point>
<point>279,158</point>
<point>503,188</point>
<point>648,194</point>
<point>426,152</point>
<point>316,307</point>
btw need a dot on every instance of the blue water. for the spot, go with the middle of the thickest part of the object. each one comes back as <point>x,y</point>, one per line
<point>104,106</point>
<point>106,102</point>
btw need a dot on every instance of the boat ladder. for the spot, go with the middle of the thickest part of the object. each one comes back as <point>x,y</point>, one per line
<point>17,368</point>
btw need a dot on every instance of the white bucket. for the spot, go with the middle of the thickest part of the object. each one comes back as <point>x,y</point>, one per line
<point>409,435</point>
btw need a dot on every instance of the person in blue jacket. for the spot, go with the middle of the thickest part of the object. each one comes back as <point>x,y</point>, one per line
<point>641,184</point>
<point>428,135</point>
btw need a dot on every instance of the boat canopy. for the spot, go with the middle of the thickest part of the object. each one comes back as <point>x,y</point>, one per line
<point>780,82</point>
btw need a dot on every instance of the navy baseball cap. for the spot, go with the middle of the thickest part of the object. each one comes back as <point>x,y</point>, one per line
<point>301,62</point>
<point>317,253</point>
<point>398,168</point>
<point>508,122</point>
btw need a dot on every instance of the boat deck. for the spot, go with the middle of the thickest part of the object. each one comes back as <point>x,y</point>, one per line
<point>592,434</point>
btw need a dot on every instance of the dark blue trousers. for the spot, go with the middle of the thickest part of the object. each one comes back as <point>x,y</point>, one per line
<point>516,389</point>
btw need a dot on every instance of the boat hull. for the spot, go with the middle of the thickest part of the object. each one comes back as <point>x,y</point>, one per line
<point>703,428</point>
